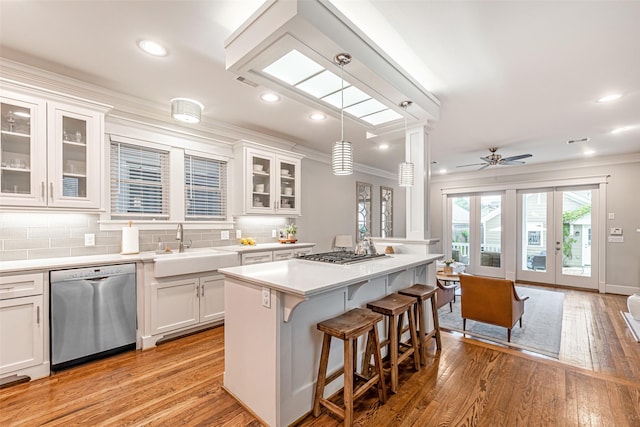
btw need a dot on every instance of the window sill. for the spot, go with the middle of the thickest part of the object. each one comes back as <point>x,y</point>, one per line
<point>146,224</point>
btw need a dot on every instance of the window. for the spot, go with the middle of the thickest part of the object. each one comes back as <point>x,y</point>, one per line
<point>205,188</point>
<point>139,182</point>
<point>386,212</point>
<point>533,238</point>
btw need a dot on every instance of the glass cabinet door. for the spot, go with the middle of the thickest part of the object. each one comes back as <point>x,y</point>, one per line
<point>287,172</point>
<point>21,172</point>
<point>261,182</point>
<point>74,169</point>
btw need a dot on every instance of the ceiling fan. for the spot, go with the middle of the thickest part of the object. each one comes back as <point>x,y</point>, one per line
<point>496,159</point>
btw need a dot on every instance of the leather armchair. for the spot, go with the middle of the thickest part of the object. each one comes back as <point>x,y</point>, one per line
<point>490,300</point>
<point>445,294</point>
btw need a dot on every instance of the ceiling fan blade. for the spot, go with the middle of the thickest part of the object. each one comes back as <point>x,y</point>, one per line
<point>521,156</point>
<point>512,162</point>
<point>472,164</point>
<point>485,166</point>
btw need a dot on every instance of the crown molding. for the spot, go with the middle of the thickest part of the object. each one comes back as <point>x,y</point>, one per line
<point>321,157</point>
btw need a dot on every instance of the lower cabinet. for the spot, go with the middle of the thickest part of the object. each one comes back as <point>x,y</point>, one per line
<point>274,255</point>
<point>183,303</point>
<point>22,326</point>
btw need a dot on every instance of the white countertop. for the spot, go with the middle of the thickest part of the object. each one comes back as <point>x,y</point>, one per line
<point>70,262</point>
<point>265,247</point>
<point>305,278</point>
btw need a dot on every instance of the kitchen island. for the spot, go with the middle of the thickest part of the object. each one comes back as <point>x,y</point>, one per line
<point>272,346</point>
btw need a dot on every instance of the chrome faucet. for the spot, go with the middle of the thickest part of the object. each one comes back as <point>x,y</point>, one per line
<point>180,239</point>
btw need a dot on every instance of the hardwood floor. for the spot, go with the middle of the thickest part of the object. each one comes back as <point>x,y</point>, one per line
<point>596,382</point>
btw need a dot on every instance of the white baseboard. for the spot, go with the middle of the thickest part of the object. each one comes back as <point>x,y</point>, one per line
<point>622,290</point>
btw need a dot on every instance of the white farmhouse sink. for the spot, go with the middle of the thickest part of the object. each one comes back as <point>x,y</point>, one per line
<point>193,261</point>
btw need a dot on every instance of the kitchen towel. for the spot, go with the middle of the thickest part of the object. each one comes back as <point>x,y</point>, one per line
<point>130,243</point>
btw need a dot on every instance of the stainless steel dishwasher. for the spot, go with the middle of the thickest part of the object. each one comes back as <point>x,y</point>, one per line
<point>93,313</point>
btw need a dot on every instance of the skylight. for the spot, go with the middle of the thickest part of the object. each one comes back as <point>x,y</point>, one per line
<point>306,75</point>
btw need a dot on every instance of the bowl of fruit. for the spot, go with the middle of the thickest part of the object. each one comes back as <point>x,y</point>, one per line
<point>247,241</point>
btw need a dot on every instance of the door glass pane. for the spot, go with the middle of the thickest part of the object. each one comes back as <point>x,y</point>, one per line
<point>15,149</point>
<point>363,213</point>
<point>490,230</point>
<point>287,185</point>
<point>261,168</point>
<point>74,157</point>
<point>460,229</point>
<point>386,212</point>
<point>534,229</point>
<point>576,233</point>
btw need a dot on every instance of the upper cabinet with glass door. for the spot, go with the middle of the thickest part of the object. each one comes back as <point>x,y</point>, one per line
<point>271,181</point>
<point>50,153</point>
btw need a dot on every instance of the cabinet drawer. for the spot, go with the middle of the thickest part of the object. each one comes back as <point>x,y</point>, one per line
<point>257,257</point>
<point>281,255</point>
<point>22,285</point>
<point>303,251</point>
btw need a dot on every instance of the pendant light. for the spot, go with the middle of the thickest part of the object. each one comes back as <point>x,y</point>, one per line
<point>342,154</point>
<point>405,169</point>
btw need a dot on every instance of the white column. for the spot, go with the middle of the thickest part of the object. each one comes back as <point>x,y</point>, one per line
<point>417,152</point>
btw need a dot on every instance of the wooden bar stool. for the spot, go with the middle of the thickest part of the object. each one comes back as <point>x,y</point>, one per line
<point>422,293</point>
<point>348,327</point>
<point>394,306</point>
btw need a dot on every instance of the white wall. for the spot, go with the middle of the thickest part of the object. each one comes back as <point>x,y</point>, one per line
<point>622,259</point>
<point>329,204</point>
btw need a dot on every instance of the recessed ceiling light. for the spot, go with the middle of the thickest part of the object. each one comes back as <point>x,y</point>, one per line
<point>383,146</point>
<point>152,48</point>
<point>621,129</point>
<point>270,97</point>
<point>609,98</point>
<point>317,117</point>
<point>588,152</point>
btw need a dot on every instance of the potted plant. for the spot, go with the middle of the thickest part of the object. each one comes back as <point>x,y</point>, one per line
<point>448,269</point>
<point>291,230</point>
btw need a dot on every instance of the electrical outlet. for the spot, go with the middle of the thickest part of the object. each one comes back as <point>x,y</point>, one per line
<point>224,235</point>
<point>274,233</point>
<point>266,297</point>
<point>89,239</point>
<point>238,234</point>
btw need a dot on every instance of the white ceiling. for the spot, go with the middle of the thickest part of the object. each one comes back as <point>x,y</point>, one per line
<point>522,76</point>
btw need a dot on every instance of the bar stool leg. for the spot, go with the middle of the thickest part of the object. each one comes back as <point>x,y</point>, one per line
<point>414,340</point>
<point>374,339</point>
<point>322,373</point>
<point>348,382</point>
<point>393,356</point>
<point>422,330</point>
<point>436,322</point>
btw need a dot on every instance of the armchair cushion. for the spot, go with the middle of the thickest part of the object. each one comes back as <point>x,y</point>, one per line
<point>491,300</point>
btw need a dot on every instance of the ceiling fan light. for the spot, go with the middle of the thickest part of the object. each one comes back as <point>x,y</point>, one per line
<point>405,174</point>
<point>342,158</point>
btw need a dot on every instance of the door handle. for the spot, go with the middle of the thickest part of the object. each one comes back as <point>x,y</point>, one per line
<point>202,291</point>
<point>558,246</point>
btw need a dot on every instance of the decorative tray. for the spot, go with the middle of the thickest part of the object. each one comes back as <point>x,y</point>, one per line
<point>287,240</point>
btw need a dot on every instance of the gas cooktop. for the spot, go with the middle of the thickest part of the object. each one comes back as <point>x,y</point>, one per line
<point>340,257</point>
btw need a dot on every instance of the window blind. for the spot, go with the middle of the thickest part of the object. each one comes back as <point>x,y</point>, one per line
<point>205,188</point>
<point>139,181</point>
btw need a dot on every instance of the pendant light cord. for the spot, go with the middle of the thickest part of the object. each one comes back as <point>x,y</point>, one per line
<point>342,102</point>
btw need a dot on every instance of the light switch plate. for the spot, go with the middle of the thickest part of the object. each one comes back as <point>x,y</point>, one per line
<point>616,239</point>
<point>238,234</point>
<point>612,215</point>
<point>616,231</point>
<point>274,233</point>
<point>224,235</point>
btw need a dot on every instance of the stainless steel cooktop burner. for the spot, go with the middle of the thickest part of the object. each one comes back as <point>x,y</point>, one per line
<point>339,257</point>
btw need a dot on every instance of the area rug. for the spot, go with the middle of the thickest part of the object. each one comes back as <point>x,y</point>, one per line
<point>541,324</point>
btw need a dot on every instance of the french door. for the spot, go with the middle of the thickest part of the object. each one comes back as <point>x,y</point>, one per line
<point>557,236</point>
<point>477,239</point>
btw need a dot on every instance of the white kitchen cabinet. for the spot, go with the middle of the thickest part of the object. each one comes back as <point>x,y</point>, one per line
<point>280,255</point>
<point>50,153</point>
<point>22,326</point>
<point>184,303</point>
<point>271,181</point>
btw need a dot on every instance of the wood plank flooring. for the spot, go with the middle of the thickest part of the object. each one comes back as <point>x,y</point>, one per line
<point>596,382</point>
